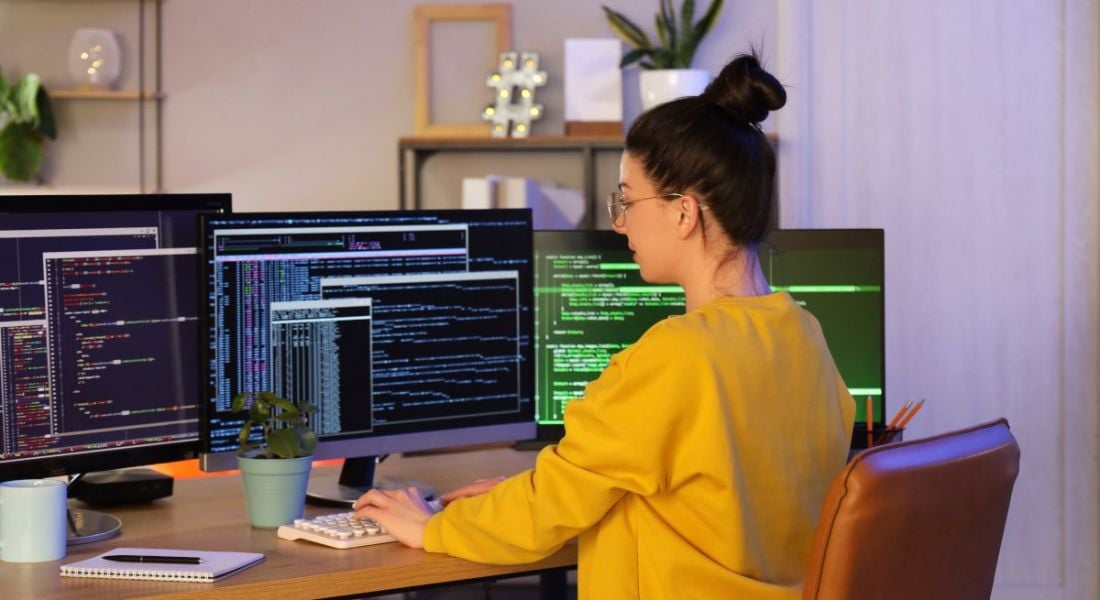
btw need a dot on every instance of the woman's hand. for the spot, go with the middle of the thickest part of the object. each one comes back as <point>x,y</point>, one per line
<point>402,513</point>
<point>474,489</point>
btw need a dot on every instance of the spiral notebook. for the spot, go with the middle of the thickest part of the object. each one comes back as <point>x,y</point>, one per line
<point>213,565</point>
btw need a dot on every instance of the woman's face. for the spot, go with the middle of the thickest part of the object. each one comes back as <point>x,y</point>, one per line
<point>649,223</point>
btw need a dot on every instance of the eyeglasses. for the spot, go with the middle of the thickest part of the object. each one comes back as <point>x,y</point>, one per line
<point>617,205</point>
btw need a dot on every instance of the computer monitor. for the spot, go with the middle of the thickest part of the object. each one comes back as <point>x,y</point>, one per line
<point>591,302</point>
<point>98,331</point>
<point>407,330</point>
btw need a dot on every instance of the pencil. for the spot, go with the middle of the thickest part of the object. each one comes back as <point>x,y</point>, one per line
<point>901,413</point>
<point>912,413</point>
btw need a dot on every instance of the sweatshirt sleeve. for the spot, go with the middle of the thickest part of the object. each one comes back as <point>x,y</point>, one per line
<point>613,445</point>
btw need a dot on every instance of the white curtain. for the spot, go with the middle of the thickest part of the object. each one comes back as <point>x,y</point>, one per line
<point>968,130</point>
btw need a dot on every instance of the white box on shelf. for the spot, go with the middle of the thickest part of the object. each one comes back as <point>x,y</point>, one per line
<point>477,192</point>
<point>593,80</point>
<point>551,207</point>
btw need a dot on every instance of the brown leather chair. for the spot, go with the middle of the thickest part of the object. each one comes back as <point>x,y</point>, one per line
<point>921,519</point>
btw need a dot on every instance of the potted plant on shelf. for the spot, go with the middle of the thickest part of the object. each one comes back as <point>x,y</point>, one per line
<point>26,120</point>
<point>276,469</point>
<point>667,72</point>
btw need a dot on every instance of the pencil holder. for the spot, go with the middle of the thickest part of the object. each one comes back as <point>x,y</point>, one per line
<point>862,439</point>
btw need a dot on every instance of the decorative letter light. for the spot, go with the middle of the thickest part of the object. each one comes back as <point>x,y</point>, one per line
<point>515,83</point>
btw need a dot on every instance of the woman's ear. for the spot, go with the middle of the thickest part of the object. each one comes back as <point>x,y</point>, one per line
<point>688,208</point>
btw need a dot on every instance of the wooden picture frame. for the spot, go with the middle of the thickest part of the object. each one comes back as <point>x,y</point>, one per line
<point>423,16</point>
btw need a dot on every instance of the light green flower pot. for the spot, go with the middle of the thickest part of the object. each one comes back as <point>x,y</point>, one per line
<point>274,489</point>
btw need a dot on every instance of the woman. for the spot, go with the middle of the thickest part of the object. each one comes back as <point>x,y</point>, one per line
<point>696,464</point>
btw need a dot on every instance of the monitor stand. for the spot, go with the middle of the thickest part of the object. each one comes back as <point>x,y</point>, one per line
<point>356,477</point>
<point>86,526</point>
<point>125,486</point>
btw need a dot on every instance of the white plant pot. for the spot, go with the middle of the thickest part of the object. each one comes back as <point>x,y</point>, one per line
<point>661,85</point>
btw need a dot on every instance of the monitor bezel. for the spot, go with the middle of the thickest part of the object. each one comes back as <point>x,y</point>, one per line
<point>606,239</point>
<point>522,429</point>
<point>123,457</point>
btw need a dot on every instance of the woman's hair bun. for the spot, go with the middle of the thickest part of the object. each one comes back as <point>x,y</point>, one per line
<point>746,90</point>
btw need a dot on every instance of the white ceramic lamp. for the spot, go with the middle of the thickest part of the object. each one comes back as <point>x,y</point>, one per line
<point>95,59</point>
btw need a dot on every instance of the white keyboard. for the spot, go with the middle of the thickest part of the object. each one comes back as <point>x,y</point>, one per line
<point>340,530</point>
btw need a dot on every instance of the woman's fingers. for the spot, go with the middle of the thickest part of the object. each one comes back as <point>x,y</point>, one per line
<point>374,497</point>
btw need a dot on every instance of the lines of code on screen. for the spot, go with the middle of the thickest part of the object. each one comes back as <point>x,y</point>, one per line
<point>109,336</point>
<point>589,305</point>
<point>91,311</point>
<point>310,344</point>
<point>435,342</point>
<point>444,345</point>
<point>253,270</point>
<point>840,284</point>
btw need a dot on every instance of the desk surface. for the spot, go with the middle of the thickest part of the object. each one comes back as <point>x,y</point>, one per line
<point>209,513</point>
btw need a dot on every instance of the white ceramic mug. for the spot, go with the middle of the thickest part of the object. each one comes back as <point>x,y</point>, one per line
<point>32,520</point>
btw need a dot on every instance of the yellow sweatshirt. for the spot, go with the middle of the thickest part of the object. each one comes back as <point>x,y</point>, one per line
<point>694,467</point>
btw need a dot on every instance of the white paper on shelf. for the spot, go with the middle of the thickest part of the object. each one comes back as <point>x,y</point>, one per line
<point>593,80</point>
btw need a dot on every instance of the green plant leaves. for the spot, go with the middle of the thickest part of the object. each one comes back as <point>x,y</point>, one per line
<point>678,38</point>
<point>668,16</point>
<point>25,97</point>
<point>634,55</point>
<point>308,442</point>
<point>703,25</point>
<point>283,443</point>
<point>699,30</point>
<point>259,412</point>
<point>7,104</point>
<point>242,437</point>
<point>46,123</point>
<point>239,402</point>
<point>285,431</point>
<point>20,151</point>
<point>25,117</point>
<point>626,29</point>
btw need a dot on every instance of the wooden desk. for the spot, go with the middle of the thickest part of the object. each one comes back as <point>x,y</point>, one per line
<point>209,513</point>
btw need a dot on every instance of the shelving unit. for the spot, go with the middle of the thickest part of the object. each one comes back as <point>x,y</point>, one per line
<point>96,126</point>
<point>412,152</point>
<point>104,95</point>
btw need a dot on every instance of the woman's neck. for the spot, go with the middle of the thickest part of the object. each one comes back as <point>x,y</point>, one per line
<point>734,274</point>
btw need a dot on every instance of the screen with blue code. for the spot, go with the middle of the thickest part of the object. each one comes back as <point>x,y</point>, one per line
<point>406,330</point>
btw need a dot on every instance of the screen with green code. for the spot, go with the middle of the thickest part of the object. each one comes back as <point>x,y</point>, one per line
<point>591,302</point>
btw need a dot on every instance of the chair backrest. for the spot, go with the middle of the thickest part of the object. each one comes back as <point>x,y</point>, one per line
<point>919,519</point>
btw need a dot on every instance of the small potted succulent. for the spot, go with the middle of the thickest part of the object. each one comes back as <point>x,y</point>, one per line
<point>26,120</point>
<point>276,468</point>
<point>666,62</point>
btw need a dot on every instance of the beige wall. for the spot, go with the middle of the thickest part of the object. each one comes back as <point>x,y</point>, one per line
<point>294,104</point>
<point>291,104</point>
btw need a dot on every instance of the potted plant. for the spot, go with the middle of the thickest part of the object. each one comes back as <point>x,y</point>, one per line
<point>667,72</point>
<point>275,469</point>
<point>26,120</point>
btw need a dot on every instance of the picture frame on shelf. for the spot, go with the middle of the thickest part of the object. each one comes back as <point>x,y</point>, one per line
<point>427,16</point>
